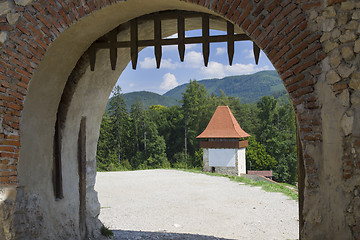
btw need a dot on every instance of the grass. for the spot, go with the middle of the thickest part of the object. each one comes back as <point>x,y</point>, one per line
<point>265,185</point>
<point>105,231</point>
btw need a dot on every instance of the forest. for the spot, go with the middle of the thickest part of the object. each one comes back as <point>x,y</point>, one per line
<point>165,137</point>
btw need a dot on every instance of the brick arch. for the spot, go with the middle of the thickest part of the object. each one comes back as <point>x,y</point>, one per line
<point>279,27</point>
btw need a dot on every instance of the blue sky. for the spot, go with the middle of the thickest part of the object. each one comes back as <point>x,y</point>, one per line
<point>172,72</point>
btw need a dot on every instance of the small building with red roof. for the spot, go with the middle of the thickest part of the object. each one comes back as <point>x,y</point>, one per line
<point>224,143</point>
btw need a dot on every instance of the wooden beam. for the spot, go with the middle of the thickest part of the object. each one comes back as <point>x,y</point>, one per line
<point>82,177</point>
<point>181,36</point>
<point>157,39</point>
<point>206,39</point>
<point>172,41</point>
<point>57,169</point>
<point>230,41</point>
<point>113,49</point>
<point>134,42</point>
<point>256,50</point>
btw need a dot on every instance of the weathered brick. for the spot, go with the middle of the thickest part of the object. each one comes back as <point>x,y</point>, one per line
<point>307,6</point>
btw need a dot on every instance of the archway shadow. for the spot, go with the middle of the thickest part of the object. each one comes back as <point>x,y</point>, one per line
<point>143,235</point>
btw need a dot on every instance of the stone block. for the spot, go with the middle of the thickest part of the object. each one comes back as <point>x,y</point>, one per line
<point>329,45</point>
<point>348,36</point>
<point>332,77</point>
<point>347,5</point>
<point>23,2</point>
<point>335,58</point>
<point>355,81</point>
<point>335,34</point>
<point>347,53</point>
<point>355,98</point>
<point>12,18</point>
<point>344,71</point>
<point>329,12</point>
<point>342,18</point>
<point>352,25</point>
<point>357,46</point>
<point>329,25</point>
<point>5,8</point>
<point>347,122</point>
<point>3,36</point>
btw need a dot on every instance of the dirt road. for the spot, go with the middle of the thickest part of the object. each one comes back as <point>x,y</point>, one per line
<point>169,204</point>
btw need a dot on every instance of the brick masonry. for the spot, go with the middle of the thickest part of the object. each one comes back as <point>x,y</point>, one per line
<point>311,43</point>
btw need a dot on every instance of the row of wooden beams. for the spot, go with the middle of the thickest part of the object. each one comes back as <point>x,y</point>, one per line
<point>109,41</point>
<point>171,41</point>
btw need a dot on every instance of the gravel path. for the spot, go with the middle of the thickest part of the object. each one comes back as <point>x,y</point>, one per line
<point>170,204</point>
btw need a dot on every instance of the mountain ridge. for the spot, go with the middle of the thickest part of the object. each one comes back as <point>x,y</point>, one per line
<point>249,88</point>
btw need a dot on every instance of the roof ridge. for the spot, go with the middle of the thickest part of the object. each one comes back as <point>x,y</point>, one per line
<point>223,124</point>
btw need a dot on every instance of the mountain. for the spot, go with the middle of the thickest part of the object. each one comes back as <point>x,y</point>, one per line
<point>148,99</point>
<point>250,88</point>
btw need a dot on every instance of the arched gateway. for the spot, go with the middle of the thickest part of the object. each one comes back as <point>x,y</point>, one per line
<point>313,44</point>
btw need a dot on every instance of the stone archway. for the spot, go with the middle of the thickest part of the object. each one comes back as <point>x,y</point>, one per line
<point>314,46</point>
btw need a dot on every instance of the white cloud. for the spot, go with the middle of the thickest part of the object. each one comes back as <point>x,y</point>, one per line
<point>220,51</point>
<point>169,82</point>
<point>239,69</point>
<point>194,59</point>
<point>131,85</point>
<point>149,63</point>
<point>213,70</point>
<point>218,70</point>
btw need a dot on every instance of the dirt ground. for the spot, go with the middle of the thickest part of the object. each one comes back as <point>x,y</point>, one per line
<point>170,204</point>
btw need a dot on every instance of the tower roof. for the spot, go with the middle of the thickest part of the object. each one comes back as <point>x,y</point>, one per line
<point>223,125</point>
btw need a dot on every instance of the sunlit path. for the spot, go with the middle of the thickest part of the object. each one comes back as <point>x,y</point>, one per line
<point>169,201</point>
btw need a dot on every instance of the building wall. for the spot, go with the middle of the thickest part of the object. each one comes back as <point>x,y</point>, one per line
<point>240,162</point>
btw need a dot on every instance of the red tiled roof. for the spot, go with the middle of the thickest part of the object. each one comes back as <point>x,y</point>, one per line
<point>223,125</point>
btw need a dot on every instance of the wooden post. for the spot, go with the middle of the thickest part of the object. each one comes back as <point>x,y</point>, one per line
<point>134,42</point>
<point>181,36</point>
<point>230,41</point>
<point>157,38</point>
<point>113,48</point>
<point>205,38</point>
<point>256,50</point>
<point>82,177</point>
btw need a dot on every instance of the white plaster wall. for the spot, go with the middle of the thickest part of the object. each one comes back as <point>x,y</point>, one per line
<point>221,157</point>
<point>225,161</point>
<point>241,159</point>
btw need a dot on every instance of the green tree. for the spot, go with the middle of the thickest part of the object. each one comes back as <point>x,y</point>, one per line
<point>196,115</point>
<point>104,154</point>
<point>257,158</point>
<point>119,122</point>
